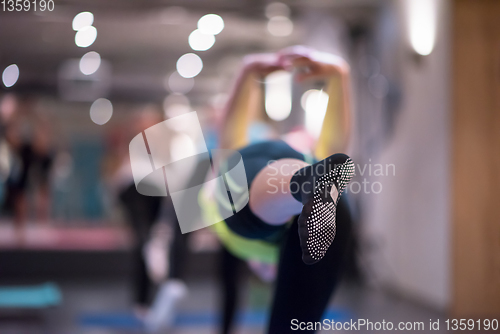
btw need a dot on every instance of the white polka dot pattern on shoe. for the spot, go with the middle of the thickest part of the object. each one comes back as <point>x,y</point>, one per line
<point>321,223</point>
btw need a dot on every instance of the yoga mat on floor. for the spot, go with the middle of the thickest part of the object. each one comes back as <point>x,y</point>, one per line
<point>31,297</point>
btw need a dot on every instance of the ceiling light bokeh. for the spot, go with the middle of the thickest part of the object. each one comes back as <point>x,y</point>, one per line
<point>90,62</point>
<point>82,20</point>
<point>314,102</point>
<point>189,65</point>
<point>178,84</point>
<point>280,26</point>
<point>101,111</point>
<point>85,37</point>
<point>277,9</point>
<point>199,41</point>
<point>10,75</point>
<point>278,95</point>
<point>211,24</point>
<point>422,25</point>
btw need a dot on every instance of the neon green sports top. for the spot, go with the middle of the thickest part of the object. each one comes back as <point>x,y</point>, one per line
<point>246,249</point>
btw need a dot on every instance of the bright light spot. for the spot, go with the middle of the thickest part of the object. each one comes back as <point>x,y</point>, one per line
<point>278,95</point>
<point>189,65</point>
<point>90,63</point>
<point>177,84</point>
<point>10,75</point>
<point>314,102</point>
<point>198,41</point>
<point>181,146</point>
<point>280,26</point>
<point>82,20</point>
<point>422,20</point>
<point>86,36</point>
<point>211,24</point>
<point>277,9</point>
<point>175,105</point>
<point>173,15</point>
<point>101,111</point>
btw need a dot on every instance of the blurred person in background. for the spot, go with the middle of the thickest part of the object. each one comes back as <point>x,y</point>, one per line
<point>29,137</point>
<point>151,238</point>
<point>141,211</point>
<point>162,314</point>
<point>264,232</point>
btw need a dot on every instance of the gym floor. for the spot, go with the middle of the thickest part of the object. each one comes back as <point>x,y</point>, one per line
<point>104,307</point>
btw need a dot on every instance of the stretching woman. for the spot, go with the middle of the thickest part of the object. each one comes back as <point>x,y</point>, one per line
<point>287,194</point>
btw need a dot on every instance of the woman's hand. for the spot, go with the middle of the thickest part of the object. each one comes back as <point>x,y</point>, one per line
<point>311,63</point>
<point>262,64</point>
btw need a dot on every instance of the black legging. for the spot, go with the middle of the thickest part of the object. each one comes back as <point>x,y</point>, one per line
<point>230,271</point>
<point>142,212</point>
<point>301,291</point>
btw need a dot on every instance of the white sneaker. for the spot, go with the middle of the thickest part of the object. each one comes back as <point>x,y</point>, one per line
<point>161,315</point>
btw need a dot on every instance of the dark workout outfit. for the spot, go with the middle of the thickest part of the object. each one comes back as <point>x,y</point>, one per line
<point>142,211</point>
<point>302,291</point>
<point>34,166</point>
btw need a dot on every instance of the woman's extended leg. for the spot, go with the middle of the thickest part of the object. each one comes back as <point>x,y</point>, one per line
<point>303,292</point>
<point>270,197</point>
